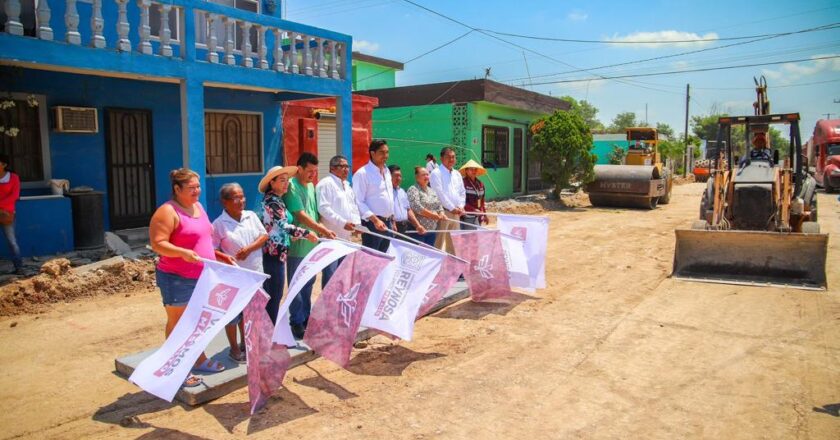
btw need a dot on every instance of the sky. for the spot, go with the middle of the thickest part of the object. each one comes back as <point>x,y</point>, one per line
<point>401,31</point>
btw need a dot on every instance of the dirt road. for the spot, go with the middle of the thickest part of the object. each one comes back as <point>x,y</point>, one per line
<point>611,349</point>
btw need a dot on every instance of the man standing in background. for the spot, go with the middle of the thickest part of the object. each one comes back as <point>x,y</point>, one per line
<point>447,183</point>
<point>337,206</point>
<point>375,196</point>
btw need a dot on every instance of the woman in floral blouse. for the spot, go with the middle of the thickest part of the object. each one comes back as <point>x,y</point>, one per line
<point>278,224</point>
<point>426,205</point>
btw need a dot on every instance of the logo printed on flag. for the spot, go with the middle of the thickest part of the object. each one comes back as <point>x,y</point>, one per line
<point>484,267</point>
<point>348,304</point>
<point>520,232</point>
<point>320,253</point>
<point>222,296</point>
<point>204,321</point>
<point>394,295</point>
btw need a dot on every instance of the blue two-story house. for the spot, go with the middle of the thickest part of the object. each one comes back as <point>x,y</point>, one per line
<point>113,94</point>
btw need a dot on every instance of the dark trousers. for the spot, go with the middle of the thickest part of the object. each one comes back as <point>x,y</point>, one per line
<point>302,303</point>
<point>427,238</point>
<point>274,285</point>
<point>328,272</point>
<point>374,242</point>
<point>472,219</point>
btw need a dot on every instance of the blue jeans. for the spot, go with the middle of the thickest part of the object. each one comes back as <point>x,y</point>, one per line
<point>11,240</point>
<point>272,265</point>
<point>374,242</point>
<point>427,238</point>
<point>302,303</point>
<point>175,290</point>
<point>328,271</point>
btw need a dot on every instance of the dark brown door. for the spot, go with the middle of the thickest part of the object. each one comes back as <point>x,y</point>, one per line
<point>131,176</point>
<point>517,160</point>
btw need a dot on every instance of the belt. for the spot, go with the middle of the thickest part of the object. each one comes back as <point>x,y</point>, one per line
<point>402,222</point>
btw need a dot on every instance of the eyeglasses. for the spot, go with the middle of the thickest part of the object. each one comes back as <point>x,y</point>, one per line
<point>194,188</point>
<point>342,166</point>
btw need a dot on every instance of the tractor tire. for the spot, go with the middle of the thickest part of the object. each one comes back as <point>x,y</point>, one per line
<point>652,202</point>
<point>827,186</point>
<point>809,196</point>
<point>810,228</point>
<point>705,201</point>
<point>669,185</point>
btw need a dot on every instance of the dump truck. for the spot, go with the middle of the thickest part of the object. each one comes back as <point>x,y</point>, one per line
<point>641,182</point>
<point>757,223</point>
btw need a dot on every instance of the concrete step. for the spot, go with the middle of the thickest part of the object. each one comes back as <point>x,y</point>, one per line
<point>136,237</point>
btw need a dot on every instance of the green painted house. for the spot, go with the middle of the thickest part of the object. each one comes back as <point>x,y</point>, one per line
<point>604,143</point>
<point>370,72</point>
<point>484,120</point>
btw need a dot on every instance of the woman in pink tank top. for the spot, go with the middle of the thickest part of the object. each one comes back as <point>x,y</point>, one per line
<point>181,233</point>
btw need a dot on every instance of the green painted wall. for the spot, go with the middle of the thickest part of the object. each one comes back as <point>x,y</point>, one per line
<point>372,76</point>
<point>604,148</point>
<point>412,132</point>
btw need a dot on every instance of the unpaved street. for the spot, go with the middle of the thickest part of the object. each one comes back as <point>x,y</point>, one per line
<point>611,349</point>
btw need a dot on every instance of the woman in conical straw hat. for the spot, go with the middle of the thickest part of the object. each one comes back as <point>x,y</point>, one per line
<point>475,194</point>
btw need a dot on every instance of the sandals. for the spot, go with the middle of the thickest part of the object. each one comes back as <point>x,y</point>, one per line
<point>209,366</point>
<point>192,381</point>
<point>238,359</point>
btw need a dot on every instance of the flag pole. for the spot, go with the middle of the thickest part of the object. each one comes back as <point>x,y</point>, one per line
<point>427,246</point>
<point>496,214</point>
<point>205,260</point>
<point>358,246</point>
<point>478,227</point>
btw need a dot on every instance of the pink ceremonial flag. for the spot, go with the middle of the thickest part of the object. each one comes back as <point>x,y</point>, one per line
<point>486,274</point>
<point>336,316</point>
<point>446,277</point>
<point>267,361</point>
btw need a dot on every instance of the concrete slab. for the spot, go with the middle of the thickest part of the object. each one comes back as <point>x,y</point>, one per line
<point>235,375</point>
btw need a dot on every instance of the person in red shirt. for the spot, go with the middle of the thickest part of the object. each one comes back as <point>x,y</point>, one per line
<point>9,195</point>
<point>474,205</point>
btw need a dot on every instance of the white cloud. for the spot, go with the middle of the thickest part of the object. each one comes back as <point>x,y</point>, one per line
<point>365,46</point>
<point>577,15</point>
<point>669,36</point>
<point>790,72</point>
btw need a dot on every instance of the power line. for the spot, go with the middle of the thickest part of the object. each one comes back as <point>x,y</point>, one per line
<point>689,71</point>
<point>662,57</point>
<point>696,40</point>
<point>421,55</point>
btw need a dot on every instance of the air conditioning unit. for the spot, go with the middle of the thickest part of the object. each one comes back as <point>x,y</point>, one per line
<point>76,120</point>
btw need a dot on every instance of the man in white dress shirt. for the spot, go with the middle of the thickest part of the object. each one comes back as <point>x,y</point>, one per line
<point>447,183</point>
<point>337,206</point>
<point>375,196</point>
<point>403,215</point>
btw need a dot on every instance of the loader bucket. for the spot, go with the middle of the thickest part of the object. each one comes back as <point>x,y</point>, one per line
<point>632,186</point>
<point>752,258</point>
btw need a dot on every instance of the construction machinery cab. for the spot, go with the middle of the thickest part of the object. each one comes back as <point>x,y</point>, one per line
<point>643,143</point>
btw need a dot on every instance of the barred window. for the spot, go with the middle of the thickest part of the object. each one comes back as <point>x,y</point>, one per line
<point>23,149</point>
<point>495,145</point>
<point>233,143</point>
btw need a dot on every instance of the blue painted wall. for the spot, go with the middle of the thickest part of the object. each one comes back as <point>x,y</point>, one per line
<point>81,158</point>
<point>36,236</point>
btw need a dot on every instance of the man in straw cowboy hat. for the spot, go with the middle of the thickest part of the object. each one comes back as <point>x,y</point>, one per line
<point>474,190</point>
<point>449,187</point>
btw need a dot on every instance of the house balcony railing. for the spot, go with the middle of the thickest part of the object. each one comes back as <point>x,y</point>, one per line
<point>215,34</point>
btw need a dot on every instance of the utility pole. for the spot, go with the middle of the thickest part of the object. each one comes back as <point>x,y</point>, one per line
<point>828,115</point>
<point>687,98</point>
<point>646,119</point>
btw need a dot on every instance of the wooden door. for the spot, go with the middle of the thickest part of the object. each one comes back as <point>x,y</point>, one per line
<point>517,160</point>
<point>131,176</point>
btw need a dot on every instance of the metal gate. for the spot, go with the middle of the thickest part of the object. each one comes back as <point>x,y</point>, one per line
<point>131,183</point>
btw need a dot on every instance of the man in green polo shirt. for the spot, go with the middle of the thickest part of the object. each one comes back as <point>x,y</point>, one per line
<point>302,202</point>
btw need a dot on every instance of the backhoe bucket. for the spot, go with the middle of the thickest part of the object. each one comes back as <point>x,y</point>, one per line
<point>632,186</point>
<point>752,258</point>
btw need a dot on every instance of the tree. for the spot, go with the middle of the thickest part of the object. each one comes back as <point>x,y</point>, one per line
<point>586,111</point>
<point>622,121</point>
<point>616,156</point>
<point>563,145</point>
<point>665,131</point>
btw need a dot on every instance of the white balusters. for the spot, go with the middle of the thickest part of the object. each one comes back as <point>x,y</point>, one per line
<point>322,68</point>
<point>71,21</point>
<point>13,24</point>
<point>333,61</point>
<point>339,61</point>
<point>307,56</point>
<point>45,32</point>
<point>247,61</point>
<point>293,65</point>
<point>165,33</point>
<point>145,31</point>
<point>279,55</point>
<point>97,40</point>
<point>230,26</point>
<point>123,44</point>
<point>212,22</point>
<point>261,50</point>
